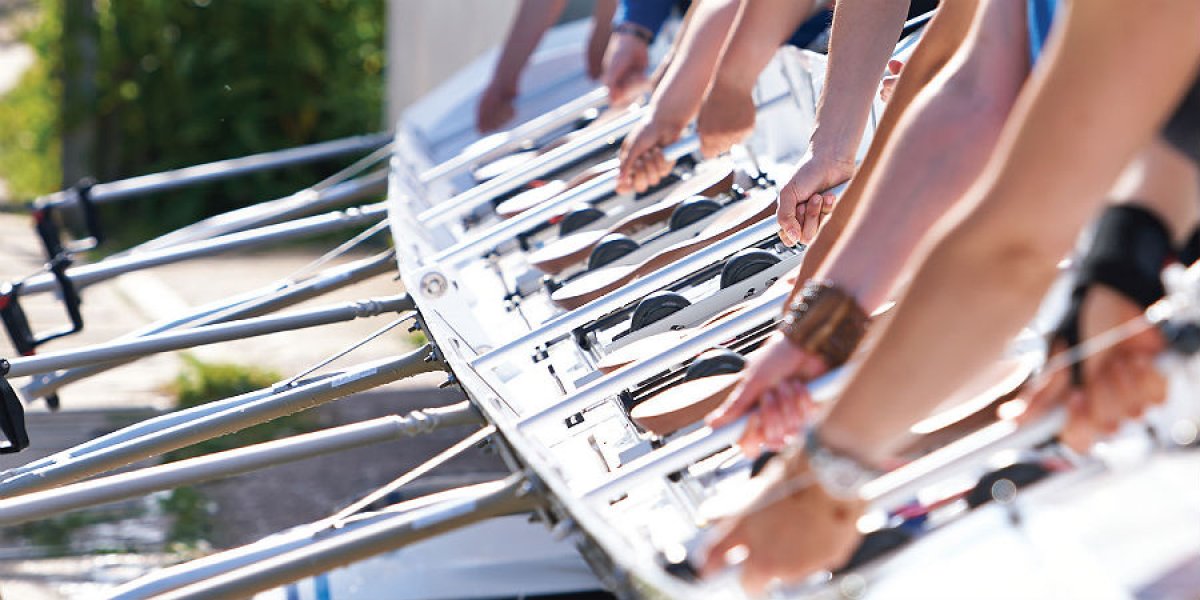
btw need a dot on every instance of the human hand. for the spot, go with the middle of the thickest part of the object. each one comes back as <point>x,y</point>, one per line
<point>495,107</point>
<point>803,208</point>
<point>772,387</point>
<point>888,85</point>
<point>726,118</point>
<point>791,529</point>
<point>643,163</point>
<point>625,64</point>
<point>1119,383</point>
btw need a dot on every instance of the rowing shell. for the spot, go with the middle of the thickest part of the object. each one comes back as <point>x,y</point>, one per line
<point>709,180</point>
<point>593,284</point>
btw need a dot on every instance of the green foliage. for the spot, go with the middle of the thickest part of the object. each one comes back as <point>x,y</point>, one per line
<point>29,128</point>
<point>192,522</point>
<point>185,82</point>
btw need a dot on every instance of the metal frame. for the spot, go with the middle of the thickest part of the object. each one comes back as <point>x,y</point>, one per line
<point>234,414</point>
<point>102,193</point>
<point>242,307</point>
<point>515,138</point>
<point>122,486</point>
<point>333,221</point>
<point>480,195</point>
<point>206,334</point>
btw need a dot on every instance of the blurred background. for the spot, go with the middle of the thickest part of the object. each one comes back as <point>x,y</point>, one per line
<point>116,88</point>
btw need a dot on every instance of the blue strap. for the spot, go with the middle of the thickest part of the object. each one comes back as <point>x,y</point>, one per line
<point>1040,17</point>
<point>650,14</point>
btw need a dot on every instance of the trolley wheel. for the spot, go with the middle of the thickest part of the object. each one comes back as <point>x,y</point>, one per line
<point>1013,477</point>
<point>692,210</point>
<point>656,306</point>
<point>610,248</point>
<point>876,544</point>
<point>745,264</point>
<point>578,219</point>
<point>718,361</point>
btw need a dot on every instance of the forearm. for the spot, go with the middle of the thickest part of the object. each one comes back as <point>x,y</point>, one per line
<point>677,98</point>
<point>985,270</point>
<point>941,39</point>
<point>762,26</point>
<point>951,131</point>
<point>531,22</point>
<point>863,36</point>
<point>602,14</point>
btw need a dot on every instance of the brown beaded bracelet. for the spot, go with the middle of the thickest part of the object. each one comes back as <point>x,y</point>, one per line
<point>825,320</point>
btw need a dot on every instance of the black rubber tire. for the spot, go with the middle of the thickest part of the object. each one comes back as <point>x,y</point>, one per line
<point>656,306</point>
<point>718,361</point>
<point>876,544</point>
<point>746,264</point>
<point>1018,474</point>
<point>692,210</point>
<point>578,219</point>
<point>610,249</point>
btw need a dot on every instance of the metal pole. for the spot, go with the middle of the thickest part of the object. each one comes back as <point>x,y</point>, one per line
<point>680,453</point>
<point>515,495</point>
<point>201,569</point>
<point>483,193</point>
<point>88,274</point>
<point>302,203</point>
<point>207,334</point>
<point>41,505</point>
<point>220,312</point>
<point>512,140</point>
<point>222,169</point>
<point>235,417</point>
<point>479,243</point>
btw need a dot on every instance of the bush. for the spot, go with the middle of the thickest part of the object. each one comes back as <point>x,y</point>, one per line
<point>29,129</point>
<point>186,82</point>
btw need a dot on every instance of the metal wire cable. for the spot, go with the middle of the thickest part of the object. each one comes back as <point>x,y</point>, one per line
<point>425,467</point>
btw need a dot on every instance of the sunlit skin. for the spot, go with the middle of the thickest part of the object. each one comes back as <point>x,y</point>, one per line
<point>676,98</point>
<point>533,18</point>
<point>1064,114</point>
<point>1122,382</point>
<point>884,227</point>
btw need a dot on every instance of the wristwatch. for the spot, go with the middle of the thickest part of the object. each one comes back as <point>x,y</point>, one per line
<point>841,475</point>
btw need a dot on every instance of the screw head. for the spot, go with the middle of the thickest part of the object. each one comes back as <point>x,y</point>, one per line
<point>434,285</point>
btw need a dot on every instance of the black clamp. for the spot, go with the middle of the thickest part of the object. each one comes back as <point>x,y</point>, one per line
<point>12,416</point>
<point>46,222</point>
<point>16,323</point>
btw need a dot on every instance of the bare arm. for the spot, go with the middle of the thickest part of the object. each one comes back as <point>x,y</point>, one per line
<point>998,256</point>
<point>939,150</point>
<point>677,98</point>
<point>779,359</point>
<point>728,112</point>
<point>863,36</point>
<point>942,38</point>
<point>532,20</point>
<point>762,26</point>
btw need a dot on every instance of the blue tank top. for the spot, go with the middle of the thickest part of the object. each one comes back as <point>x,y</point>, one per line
<point>1039,16</point>
<point>1182,130</point>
